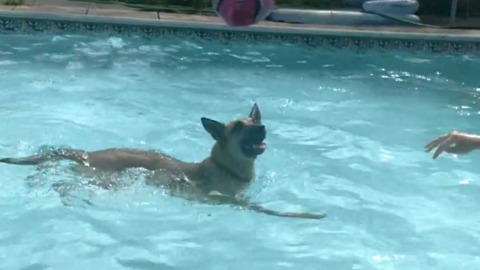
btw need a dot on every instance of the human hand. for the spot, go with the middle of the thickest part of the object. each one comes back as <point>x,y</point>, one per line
<point>453,142</point>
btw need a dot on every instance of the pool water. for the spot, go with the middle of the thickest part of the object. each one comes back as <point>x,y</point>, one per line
<point>345,137</point>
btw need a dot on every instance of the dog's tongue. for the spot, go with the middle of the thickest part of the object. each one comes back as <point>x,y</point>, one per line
<point>260,147</point>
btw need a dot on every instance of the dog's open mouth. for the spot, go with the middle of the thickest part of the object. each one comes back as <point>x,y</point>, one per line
<point>259,147</point>
<point>254,148</point>
<point>253,143</point>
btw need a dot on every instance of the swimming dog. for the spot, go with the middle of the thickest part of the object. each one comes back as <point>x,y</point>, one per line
<point>222,177</point>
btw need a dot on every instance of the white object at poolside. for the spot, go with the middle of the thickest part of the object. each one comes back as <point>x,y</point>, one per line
<point>394,7</point>
<point>336,17</point>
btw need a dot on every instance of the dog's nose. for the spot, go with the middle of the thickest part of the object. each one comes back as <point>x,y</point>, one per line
<point>262,130</point>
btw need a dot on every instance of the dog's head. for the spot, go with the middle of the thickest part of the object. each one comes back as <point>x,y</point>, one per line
<point>242,138</point>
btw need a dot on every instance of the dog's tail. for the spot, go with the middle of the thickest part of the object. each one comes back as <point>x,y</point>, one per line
<point>77,156</point>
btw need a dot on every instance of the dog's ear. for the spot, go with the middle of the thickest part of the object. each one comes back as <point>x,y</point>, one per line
<point>255,114</point>
<point>215,128</point>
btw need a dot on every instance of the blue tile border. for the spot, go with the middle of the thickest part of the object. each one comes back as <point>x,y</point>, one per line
<point>23,22</point>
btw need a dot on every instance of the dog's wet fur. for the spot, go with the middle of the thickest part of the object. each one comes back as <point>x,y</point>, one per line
<point>222,177</point>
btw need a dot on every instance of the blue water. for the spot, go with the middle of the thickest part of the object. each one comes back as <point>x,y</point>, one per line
<point>345,137</point>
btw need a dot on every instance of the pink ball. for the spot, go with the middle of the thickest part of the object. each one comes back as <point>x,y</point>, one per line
<point>243,12</point>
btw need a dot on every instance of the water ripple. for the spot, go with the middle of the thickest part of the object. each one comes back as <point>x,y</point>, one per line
<point>345,138</point>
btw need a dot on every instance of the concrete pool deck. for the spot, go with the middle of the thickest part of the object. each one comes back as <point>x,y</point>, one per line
<point>116,11</point>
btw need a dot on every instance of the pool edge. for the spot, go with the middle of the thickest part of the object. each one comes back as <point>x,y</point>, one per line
<point>416,40</point>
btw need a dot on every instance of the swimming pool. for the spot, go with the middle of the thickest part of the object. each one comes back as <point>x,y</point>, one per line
<point>345,137</point>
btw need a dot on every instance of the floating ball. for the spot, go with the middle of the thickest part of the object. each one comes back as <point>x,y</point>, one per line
<point>243,12</point>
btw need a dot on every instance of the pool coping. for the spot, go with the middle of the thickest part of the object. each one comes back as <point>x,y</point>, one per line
<point>416,39</point>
